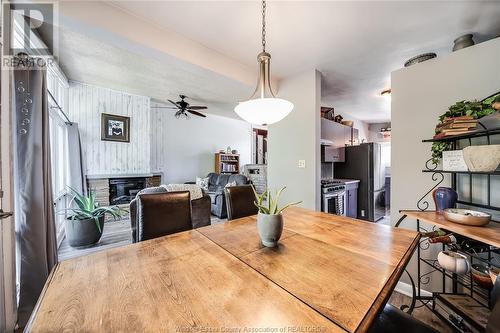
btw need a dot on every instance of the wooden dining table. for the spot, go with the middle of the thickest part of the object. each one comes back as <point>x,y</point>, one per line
<point>328,274</point>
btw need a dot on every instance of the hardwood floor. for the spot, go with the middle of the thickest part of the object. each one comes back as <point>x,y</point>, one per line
<point>421,313</point>
<point>116,233</point>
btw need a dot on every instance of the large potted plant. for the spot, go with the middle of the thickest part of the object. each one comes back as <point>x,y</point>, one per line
<point>85,221</point>
<point>269,217</point>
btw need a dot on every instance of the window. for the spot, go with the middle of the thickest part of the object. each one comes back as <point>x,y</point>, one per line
<point>60,166</point>
<point>58,132</point>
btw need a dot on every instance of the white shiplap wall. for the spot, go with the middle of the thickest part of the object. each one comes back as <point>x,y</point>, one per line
<point>86,104</point>
<point>159,145</point>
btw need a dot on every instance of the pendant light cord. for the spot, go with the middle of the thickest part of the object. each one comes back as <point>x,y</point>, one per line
<point>263,25</point>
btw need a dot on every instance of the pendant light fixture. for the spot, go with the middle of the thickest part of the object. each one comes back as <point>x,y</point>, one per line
<point>263,108</point>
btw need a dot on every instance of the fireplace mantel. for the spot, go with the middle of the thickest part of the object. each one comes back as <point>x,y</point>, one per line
<point>124,175</point>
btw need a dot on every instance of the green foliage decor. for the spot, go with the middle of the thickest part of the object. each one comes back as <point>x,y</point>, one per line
<point>267,204</point>
<point>437,150</point>
<point>88,208</point>
<point>476,109</point>
<point>469,108</point>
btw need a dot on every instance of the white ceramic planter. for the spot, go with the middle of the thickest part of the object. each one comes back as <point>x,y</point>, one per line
<point>270,228</point>
<point>454,262</point>
<point>482,158</point>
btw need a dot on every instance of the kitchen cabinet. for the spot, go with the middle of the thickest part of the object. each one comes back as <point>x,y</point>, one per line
<point>339,134</point>
<point>332,154</point>
<point>334,133</point>
<point>352,199</point>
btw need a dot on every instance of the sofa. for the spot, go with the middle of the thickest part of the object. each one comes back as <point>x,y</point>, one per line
<point>200,209</point>
<point>216,184</point>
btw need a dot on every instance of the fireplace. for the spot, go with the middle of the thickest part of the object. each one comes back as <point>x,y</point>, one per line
<point>124,190</point>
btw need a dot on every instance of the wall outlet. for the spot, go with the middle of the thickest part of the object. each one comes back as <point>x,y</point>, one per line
<point>363,213</point>
<point>302,164</point>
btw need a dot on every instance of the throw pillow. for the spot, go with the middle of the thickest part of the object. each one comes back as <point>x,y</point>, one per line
<point>230,184</point>
<point>202,182</point>
<point>194,190</point>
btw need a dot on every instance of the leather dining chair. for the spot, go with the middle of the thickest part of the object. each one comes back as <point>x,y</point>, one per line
<point>161,214</point>
<point>240,201</point>
<point>394,320</point>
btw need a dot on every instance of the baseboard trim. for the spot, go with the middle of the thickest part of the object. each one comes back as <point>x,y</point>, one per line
<point>406,289</point>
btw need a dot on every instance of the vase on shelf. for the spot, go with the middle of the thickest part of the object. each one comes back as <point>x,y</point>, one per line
<point>462,42</point>
<point>444,197</point>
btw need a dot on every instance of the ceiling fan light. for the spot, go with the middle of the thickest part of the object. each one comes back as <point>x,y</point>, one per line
<point>264,111</point>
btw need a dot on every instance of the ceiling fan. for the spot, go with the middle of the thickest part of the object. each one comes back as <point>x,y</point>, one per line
<point>183,107</point>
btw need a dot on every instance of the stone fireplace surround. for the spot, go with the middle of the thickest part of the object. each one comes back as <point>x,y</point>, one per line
<point>105,186</point>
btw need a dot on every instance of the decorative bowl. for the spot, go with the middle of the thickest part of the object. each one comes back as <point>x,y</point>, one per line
<point>349,123</point>
<point>467,216</point>
<point>454,262</point>
<point>420,58</point>
<point>482,158</point>
<point>480,274</point>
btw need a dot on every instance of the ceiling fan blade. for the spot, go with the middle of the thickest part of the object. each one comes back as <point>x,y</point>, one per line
<point>196,113</point>
<point>177,105</point>
<point>165,107</point>
<point>198,107</point>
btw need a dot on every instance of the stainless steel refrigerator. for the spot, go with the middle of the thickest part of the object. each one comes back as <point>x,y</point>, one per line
<point>364,162</point>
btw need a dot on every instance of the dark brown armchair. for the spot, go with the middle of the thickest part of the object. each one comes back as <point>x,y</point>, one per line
<point>240,201</point>
<point>200,210</point>
<point>161,214</point>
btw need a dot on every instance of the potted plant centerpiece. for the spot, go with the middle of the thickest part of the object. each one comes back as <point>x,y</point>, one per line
<point>269,217</point>
<point>85,222</point>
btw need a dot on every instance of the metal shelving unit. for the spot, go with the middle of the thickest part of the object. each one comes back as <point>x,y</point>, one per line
<point>481,253</point>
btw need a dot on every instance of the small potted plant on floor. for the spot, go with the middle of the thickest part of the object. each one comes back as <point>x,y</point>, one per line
<point>269,218</point>
<point>85,222</point>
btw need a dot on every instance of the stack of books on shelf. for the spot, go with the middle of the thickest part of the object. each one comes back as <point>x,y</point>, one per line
<point>455,126</point>
<point>228,167</point>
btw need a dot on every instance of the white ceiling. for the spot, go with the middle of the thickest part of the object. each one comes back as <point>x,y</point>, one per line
<point>91,61</point>
<point>354,44</point>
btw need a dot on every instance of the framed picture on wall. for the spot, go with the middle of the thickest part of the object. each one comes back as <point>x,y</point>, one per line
<point>115,128</point>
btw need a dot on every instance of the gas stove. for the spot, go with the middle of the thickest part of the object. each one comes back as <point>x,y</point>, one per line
<point>330,185</point>
<point>330,181</point>
<point>333,195</point>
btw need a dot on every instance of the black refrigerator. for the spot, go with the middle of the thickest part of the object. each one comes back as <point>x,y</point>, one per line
<point>364,163</point>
